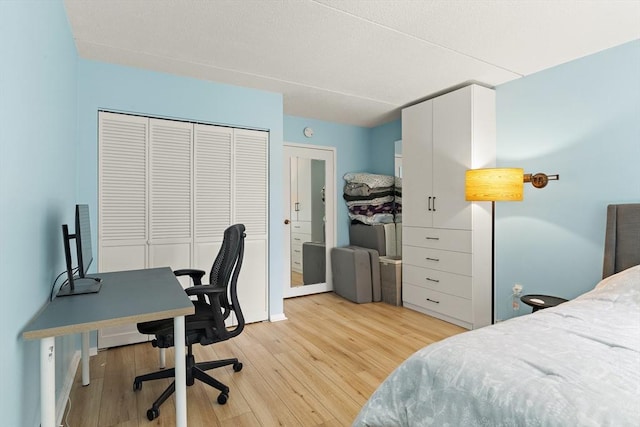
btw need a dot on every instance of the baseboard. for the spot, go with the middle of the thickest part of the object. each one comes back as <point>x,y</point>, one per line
<point>65,392</point>
<point>61,404</point>
<point>277,317</point>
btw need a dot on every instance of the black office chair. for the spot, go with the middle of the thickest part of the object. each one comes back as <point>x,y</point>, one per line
<point>207,325</point>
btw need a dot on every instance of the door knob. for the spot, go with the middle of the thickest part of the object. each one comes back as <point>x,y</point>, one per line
<point>286,221</point>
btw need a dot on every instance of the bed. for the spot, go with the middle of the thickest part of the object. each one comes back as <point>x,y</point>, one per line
<point>576,364</point>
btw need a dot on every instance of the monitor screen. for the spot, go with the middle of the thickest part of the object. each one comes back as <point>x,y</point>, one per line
<point>82,284</point>
<point>83,239</point>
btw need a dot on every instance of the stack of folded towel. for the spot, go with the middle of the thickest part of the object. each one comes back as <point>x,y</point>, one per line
<point>370,198</point>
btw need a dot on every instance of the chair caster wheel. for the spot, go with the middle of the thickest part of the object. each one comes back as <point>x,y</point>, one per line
<point>222,398</point>
<point>237,367</point>
<point>137,385</point>
<point>152,414</point>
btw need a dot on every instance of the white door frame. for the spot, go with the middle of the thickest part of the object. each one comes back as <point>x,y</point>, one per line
<point>328,154</point>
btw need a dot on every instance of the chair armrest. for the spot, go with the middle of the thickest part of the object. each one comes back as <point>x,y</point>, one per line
<point>190,272</point>
<point>204,290</point>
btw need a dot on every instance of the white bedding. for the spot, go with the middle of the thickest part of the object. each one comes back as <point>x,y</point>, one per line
<point>577,364</point>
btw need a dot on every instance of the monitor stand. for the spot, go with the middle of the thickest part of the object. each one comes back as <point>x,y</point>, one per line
<point>86,285</point>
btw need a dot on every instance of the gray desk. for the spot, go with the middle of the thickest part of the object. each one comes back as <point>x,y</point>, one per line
<point>125,297</point>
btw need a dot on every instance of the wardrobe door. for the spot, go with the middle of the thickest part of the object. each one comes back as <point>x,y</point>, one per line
<point>251,183</point>
<point>452,147</point>
<point>304,190</point>
<point>417,157</point>
<point>170,196</point>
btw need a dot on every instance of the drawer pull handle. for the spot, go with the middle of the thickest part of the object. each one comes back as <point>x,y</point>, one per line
<point>432,259</point>
<point>432,238</point>
<point>296,250</point>
<point>432,280</point>
<point>432,300</point>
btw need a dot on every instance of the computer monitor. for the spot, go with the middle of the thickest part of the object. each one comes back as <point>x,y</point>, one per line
<point>84,255</point>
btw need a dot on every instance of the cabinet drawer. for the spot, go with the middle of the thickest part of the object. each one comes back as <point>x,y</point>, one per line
<point>296,252</point>
<point>296,261</point>
<point>437,238</point>
<point>301,227</point>
<point>449,305</point>
<point>299,238</point>
<point>453,262</point>
<point>448,283</point>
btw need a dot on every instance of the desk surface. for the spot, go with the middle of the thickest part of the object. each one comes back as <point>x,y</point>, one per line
<point>125,297</point>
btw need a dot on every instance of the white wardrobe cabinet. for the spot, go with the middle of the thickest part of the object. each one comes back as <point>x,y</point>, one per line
<point>168,190</point>
<point>300,189</point>
<point>301,209</point>
<point>447,240</point>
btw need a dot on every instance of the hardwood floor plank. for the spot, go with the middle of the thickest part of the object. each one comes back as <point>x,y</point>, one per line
<point>315,369</point>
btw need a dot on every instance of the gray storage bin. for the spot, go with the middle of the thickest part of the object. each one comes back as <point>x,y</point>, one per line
<point>391,279</point>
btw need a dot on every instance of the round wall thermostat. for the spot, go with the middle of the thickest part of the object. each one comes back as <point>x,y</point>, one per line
<point>308,132</point>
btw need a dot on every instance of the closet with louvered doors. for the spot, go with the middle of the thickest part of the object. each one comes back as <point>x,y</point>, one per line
<point>167,191</point>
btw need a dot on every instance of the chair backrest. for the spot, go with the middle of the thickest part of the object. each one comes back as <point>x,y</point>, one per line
<point>622,239</point>
<point>225,272</point>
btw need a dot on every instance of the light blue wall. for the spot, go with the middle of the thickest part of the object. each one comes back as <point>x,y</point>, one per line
<point>383,148</point>
<point>37,188</point>
<point>353,154</point>
<point>582,121</point>
<point>125,89</point>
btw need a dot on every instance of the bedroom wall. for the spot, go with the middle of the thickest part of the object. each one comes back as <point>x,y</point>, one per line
<point>383,138</point>
<point>582,121</point>
<point>37,189</point>
<point>125,89</point>
<point>353,154</point>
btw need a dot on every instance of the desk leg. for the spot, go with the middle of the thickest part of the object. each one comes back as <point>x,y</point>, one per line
<point>86,377</point>
<point>163,358</point>
<point>48,382</point>
<point>181,372</point>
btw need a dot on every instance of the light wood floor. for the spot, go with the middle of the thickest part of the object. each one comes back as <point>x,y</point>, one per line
<point>315,369</point>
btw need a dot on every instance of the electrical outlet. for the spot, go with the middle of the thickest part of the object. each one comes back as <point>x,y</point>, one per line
<point>517,289</point>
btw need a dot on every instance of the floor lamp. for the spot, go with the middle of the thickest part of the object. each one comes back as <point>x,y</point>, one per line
<point>492,185</point>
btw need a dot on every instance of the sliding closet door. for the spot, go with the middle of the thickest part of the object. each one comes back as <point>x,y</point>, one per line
<point>251,185</point>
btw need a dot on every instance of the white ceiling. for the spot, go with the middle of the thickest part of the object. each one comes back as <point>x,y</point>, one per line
<point>349,61</point>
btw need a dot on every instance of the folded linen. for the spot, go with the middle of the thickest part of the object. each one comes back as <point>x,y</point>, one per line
<point>371,196</point>
<point>370,179</point>
<point>359,189</point>
<point>383,218</point>
<point>376,201</point>
<point>371,209</point>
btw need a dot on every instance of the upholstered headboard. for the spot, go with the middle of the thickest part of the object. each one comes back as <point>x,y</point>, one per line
<point>622,239</point>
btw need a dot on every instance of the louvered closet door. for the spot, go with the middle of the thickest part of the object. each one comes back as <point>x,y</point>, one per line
<point>122,206</point>
<point>170,217</point>
<point>212,189</point>
<point>251,187</point>
<point>122,217</point>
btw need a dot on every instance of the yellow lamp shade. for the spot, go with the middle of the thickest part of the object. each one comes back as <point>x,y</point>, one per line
<point>495,184</point>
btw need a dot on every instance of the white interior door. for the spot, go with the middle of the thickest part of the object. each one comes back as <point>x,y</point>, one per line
<point>324,156</point>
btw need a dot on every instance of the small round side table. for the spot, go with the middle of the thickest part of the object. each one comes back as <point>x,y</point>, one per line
<point>538,302</point>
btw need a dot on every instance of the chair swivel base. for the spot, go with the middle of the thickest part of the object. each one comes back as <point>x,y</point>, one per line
<point>194,371</point>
